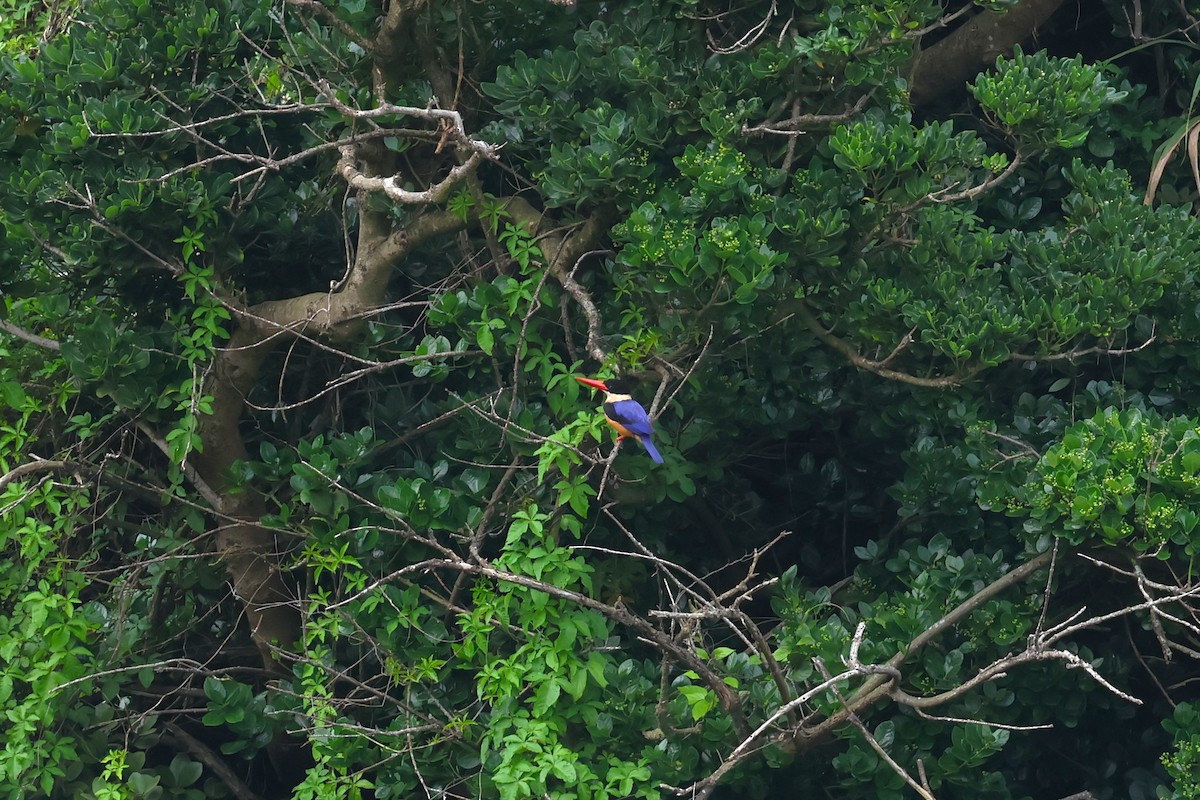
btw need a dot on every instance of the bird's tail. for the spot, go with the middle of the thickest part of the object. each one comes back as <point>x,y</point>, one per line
<point>651,450</point>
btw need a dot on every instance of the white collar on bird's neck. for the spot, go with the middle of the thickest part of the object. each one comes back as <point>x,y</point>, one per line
<point>612,397</point>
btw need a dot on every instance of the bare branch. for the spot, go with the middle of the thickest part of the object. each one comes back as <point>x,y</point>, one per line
<point>799,124</point>
<point>350,377</point>
<point>572,249</point>
<point>1155,622</point>
<point>702,789</point>
<point>807,315</point>
<point>1026,449</point>
<point>210,759</point>
<point>1076,354</point>
<point>802,310</point>
<point>327,14</point>
<point>391,186</point>
<point>871,740</point>
<point>687,375</point>
<point>985,723</point>
<point>1049,586</point>
<point>590,312</point>
<point>877,685</point>
<point>24,335</point>
<point>750,38</point>
<point>190,472</point>
<point>975,191</point>
<point>34,467</point>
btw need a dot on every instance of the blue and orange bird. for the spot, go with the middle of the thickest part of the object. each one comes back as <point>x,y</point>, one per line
<point>626,414</point>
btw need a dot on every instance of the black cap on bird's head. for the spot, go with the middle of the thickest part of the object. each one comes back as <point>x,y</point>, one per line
<point>612,385</point>
<point>621,385</point>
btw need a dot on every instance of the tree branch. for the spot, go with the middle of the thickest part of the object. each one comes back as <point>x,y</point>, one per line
<point>34,467</point>
<point>866,734</point>
<point>877,685</point>
<point>1090,351</point>
<point>975,191</point>
<point>799,124</point>
<point>570,249</point>
<point>802,310</point>
<point>391,186</point>
<point>327,313</point>
<point>32,338</point>
<point>210,759</point>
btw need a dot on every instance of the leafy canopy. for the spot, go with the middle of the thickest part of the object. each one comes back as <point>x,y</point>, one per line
<point>299,498</point>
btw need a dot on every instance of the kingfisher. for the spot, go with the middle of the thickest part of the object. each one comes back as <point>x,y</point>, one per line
<point>625,414</point>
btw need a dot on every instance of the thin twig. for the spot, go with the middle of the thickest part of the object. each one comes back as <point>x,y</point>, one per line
<point>870,738</point>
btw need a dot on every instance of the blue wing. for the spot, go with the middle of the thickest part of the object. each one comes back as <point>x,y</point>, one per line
<point>630,415</point>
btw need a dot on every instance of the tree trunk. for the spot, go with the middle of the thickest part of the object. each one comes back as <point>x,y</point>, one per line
<point>248,551</point>
<point>949,64</point>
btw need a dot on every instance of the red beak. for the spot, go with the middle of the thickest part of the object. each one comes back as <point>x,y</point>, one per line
<point>593,383</point>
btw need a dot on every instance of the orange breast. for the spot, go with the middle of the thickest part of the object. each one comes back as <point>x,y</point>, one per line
<point>621,429</point>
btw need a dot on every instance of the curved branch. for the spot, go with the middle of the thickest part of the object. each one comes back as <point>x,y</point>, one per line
<point>702,789</point>
<point>807,315</point>
<point>445,116</point>
<point>882,679</point>
<point>590,312</point>
<point>211,760</point>
<point>924,791</point>
<point>330,313</point>
<point>448,120</point>
<point>804,311</point>
<point>391,187</point>
<point>1090,351</point>
<point>33,467</point>
<point>32,338</point>
<point>561,250</point>
<point>877,685</point>
<point>975,191</point>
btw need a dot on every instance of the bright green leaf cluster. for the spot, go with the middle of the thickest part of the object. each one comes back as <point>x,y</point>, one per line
<point>1043,101</point>
<point>1122,477</point>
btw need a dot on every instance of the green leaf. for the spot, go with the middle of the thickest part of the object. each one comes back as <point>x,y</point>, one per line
<point>14,396</point>
<point>485,339</point>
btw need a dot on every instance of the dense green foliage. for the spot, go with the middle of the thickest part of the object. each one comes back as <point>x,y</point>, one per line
<point>299,498</point>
